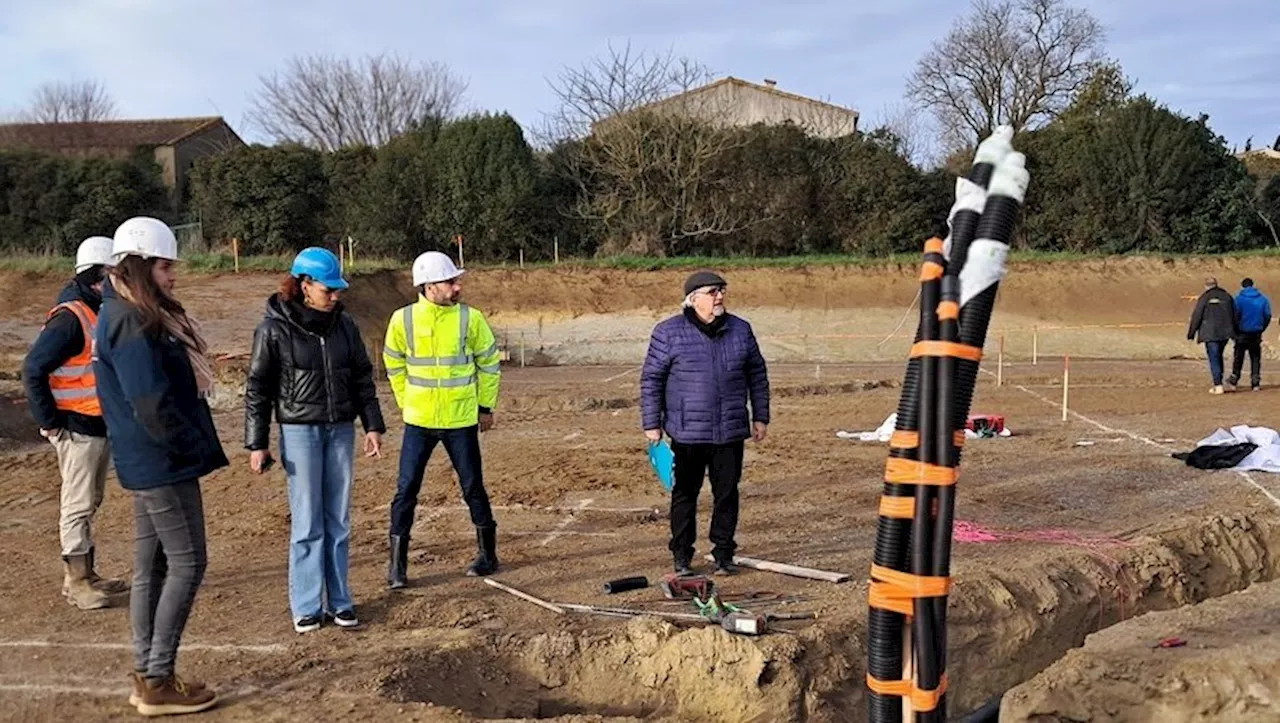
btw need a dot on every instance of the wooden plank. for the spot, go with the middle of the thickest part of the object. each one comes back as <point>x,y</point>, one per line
<point>525,596</point>
<point>784,569</point>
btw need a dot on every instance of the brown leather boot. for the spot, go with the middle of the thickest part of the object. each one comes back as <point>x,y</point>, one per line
<point>75,584</point>
<point>139,680</point>
<point>172,696</point>
<point>110,586</point>
<point>139,686</point>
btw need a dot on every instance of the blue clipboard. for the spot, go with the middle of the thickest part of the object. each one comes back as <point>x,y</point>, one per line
<point>663,461</point>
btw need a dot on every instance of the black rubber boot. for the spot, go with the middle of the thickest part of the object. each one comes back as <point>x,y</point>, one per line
<point>486,562</point>
<point>398,566</point>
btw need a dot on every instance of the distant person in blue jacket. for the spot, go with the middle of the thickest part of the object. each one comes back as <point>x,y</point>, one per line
<point>153,381</point>
<point>1253,316</point>
<point>702,369</point>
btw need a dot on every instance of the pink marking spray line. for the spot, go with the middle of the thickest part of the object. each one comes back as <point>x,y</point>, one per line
<point>965,531</point>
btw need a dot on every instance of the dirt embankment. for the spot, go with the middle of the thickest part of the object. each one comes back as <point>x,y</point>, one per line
<point>812,314</point>
<point>1025,617</point>
<point>1225,667</point>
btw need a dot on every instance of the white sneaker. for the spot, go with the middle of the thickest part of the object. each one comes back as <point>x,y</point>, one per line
<point>306,625</point>
<point>346,619</point>
<point>1216,390</point>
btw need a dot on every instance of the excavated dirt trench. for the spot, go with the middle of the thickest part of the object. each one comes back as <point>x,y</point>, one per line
<point>1006,627</point>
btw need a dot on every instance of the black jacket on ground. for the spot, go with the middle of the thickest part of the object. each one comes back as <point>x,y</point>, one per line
<point>59,340</point>
<point>310,368</point>
<point>1214,318</point>
<point>1216,456</point>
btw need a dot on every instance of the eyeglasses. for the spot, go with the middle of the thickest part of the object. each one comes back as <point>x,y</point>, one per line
<point>714,291</point>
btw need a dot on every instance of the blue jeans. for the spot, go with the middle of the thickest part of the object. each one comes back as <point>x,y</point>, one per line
<point>463,447</point>
<point>319,460</point>
<point>1215,349</point>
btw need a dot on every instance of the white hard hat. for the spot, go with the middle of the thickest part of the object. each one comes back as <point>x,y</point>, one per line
<point>146,237</point>
<point>434,266</point>
<point>94,251</point>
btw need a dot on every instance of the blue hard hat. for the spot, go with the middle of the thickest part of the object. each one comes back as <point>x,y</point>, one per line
<point>321,266</point>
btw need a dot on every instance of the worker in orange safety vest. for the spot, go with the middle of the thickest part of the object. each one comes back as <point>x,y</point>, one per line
<point>62,396</point>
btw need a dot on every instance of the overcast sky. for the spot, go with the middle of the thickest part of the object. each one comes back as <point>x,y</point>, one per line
<point>163,58</point>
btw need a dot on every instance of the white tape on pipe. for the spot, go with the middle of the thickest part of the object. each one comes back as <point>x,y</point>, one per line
<point>985,266</point>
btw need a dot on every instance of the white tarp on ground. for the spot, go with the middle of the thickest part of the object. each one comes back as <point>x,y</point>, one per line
<point>884,431</point>
<point>1266,458</point>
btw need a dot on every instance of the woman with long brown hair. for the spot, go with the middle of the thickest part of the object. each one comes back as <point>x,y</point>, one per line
<point>153,380</point>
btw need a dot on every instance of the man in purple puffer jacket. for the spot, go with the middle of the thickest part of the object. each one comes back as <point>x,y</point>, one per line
<point>702,369</point>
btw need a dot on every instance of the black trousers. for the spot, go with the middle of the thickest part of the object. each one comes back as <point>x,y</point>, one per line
<point>1250,344</point>
<point>693,462</point>
<point>463,448</point>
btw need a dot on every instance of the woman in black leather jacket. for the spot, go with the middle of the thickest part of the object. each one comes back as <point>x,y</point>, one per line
<point>311,368</point>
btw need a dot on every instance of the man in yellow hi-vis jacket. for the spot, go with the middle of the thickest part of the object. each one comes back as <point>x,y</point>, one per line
<point>443,365</point>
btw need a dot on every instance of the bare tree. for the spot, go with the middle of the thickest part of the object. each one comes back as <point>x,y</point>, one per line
<point>614,85</point>
<point>909,131</point>
<point>642,144</point>
<point>1014,62</point>
<point>76,101</point>
<point>329,102</point>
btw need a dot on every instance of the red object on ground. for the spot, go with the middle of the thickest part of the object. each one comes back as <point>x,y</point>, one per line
<point>980,422</point>
<point>1171,643</point>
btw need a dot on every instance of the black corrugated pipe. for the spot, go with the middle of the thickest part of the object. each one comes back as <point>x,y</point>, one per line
<point>943,451</point>
<point>884,628</point>
<point>922,634</point>
<point>937,391</point>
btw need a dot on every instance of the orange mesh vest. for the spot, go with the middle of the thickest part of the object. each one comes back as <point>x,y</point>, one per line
<point>73,384</point>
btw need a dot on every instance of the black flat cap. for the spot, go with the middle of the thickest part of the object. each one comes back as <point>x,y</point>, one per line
<point>699,279</point>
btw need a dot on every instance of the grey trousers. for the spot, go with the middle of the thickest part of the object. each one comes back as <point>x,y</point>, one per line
<point>169,564</point>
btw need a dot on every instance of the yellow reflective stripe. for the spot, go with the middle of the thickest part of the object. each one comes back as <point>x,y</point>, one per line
<point>442,383</point>
<point>393,353</point>
<point>492,350</point>
<point>461,359</point>
<point>396,371</point>
<point>489,368</point>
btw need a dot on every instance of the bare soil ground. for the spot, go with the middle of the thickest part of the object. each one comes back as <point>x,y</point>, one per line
<point>1226,667</point>
<point>577,505</point>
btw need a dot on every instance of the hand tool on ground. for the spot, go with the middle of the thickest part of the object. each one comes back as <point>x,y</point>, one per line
<point>747,600</point>
<point>632,613</point>
<point>680,587</point>
<point>731,617</point>
<point>790,616</point>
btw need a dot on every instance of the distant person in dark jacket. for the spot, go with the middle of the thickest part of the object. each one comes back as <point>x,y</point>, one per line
<point>702,370</point>
<point>63,398</point>
<point>1213,323</point>
<point>153,379</point>
<point>311,368</point>
<point>1253,316</point>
